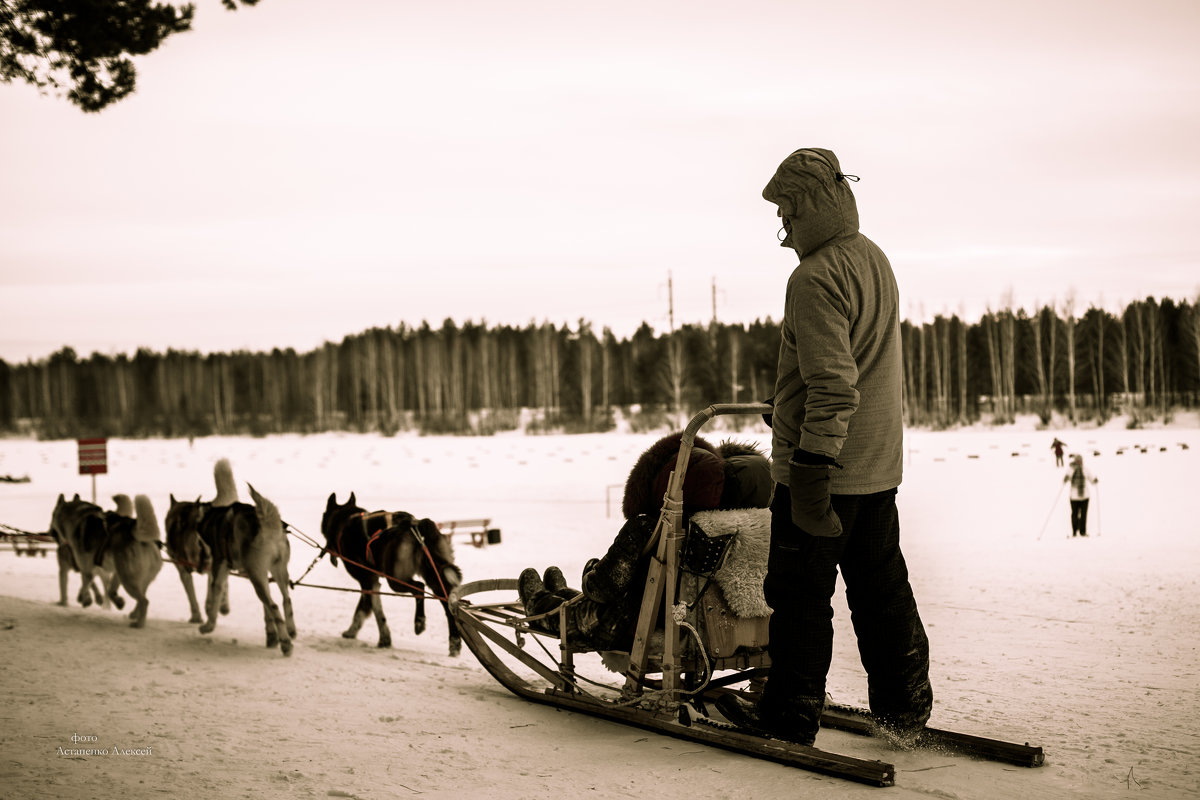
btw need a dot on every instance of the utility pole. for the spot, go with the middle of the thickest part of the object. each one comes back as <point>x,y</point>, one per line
<point>712,328</point>
<point>671,302</point>
<point>674,351</point>
<point>714,301</point>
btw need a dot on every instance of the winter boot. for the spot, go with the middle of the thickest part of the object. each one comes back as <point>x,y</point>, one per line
<point>554,580</point>
<point>750,717</point>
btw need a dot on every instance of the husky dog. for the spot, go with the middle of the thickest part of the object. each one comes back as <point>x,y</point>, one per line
<point>249,539</point>
<point>133,544</point>
<point>79,528</point>
<point>394,546</point>
<point>187,551</point>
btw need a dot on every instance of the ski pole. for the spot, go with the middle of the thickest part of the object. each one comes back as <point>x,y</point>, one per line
<point>1096,487</point>
<point>1047,522</point>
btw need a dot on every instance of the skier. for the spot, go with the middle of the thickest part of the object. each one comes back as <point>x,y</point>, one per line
<point>1057,446</point>
<point>1079,479</point>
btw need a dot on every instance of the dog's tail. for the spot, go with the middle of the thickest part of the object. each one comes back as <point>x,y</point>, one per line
<point>124,505</point>
<point>147,529</point>
<point>227,493</point>
<point>268,514</point>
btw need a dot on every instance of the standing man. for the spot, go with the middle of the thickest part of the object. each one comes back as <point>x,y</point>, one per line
<point>1079,479</point>
<point>837,460</point>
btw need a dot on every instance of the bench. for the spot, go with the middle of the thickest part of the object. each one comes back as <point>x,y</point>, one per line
<point>34,544</point>
<point>480,531</point>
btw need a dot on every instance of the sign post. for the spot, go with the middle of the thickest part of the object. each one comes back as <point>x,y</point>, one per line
<point>93,459</point>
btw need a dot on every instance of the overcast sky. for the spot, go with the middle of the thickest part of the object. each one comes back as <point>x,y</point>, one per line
<point>303,170</point>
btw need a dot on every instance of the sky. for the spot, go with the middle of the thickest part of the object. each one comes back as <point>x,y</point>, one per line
<point>299,171</point>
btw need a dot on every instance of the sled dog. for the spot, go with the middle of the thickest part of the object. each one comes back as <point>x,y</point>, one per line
<point>398,547</point>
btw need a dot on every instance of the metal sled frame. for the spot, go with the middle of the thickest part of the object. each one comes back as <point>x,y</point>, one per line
<point>664,705</point>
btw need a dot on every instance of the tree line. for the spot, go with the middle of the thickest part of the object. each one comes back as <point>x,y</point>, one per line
<point>472,378</point>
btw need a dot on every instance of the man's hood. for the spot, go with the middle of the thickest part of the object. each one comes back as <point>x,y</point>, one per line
<point>813,193</point>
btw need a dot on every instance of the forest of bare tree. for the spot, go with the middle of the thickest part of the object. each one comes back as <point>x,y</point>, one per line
<point>1143,362</point>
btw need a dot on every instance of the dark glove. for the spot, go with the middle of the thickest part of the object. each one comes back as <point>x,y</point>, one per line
<point>808,487</point>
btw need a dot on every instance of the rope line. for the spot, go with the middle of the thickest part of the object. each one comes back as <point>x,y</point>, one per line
<point>14,531</point>
<point>416,590</point>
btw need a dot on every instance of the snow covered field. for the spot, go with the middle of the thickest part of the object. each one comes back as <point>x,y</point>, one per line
<point>1087,647</point>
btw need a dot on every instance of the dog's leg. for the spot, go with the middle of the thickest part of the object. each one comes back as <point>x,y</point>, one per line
<point>280,574</point>
<point>86,589</point>
<point>271,612</point>
<point>111,586</point>
<point>269,625</point>
<point>185,577</point>
<point>385,633</point>
<point>225,597</point>
<point>419,615</point>
<point>112,589</point>
<point>103,596</point>
<point>138,614</point>
<point>64,570</point>
<point>218,581</point>
<point>361,611</point>
<point>137,617</point>
<point>452,626</point>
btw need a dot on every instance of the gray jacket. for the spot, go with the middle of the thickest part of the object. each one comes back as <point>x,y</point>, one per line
<point>839,386</point>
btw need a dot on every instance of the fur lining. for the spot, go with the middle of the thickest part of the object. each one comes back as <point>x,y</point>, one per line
<point>741,576</point>
<point>639,487</point>
<point>227,493</point>
<point>729,448</point>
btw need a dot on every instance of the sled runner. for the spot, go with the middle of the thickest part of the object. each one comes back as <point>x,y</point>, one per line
<point>712,641</point>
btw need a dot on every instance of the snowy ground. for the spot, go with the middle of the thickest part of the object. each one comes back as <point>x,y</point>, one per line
<point>1086,647</point>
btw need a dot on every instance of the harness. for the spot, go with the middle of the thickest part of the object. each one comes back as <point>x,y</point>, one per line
<point>388,517</point>
<point>366,516</point>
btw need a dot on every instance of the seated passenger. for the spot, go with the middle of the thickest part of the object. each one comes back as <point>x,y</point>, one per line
<point>734,475</point>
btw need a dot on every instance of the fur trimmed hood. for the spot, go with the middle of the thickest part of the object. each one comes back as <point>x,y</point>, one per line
<point>646,485</point>
<point>732,475</point>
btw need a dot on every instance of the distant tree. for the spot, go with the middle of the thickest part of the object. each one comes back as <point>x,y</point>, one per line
<point>84,46</point>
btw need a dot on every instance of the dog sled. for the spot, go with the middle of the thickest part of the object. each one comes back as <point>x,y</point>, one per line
<point>713,641</point>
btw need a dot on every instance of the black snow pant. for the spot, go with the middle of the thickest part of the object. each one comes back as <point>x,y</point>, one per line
<point>801,577</point>
<point>1079,517</point>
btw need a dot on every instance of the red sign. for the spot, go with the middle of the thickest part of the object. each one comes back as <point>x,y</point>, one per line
<point>93,456</point>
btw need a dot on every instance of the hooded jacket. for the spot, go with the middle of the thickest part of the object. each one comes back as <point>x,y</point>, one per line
<point>839,384</point>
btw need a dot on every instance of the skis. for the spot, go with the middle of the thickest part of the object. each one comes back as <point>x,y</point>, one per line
<point>856,720</point>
